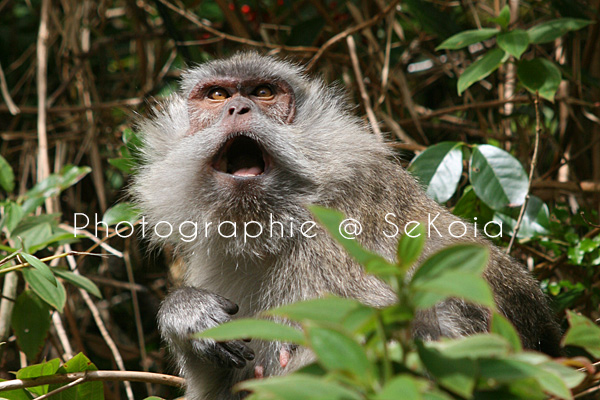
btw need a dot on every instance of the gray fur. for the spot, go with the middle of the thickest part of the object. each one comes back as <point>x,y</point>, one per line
<point>326,156</point>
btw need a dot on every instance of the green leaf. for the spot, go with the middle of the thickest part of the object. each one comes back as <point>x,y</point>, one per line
<point>474,346</point>
<point>338,352</point>
<point>53,185</point>
<point>54,295</point>
<point>410,248</point>
<point>535,222</point>
<point>502,326</point>
<point>467,38</point>
<point>298,387</point>
<point>13,214</point>
<point>255,329</point>
<point>333,221</point>
<point>514,42</point>
<point>503,19</point>
<point>456,375</point>
<point>551,30</point>
<point>403,386</point>
<point>582,333</point>
<point>42,268</point>
<point>470,207</point>
<point>86,390</point>
<point>539,75</point>
<point>438,169</point>
<point>480,69</point>
<point>17,394</point>
<point>7,176</point>
<point>456,284</point>
<point>79,281</point>
<point>497,177</point>
<point>30,322</point>
<point>121,212</point>
<point>38,370</point>
<point>452,272</point>
<point>511,370</point>
<point>468,258</point>
<point>327,309</point>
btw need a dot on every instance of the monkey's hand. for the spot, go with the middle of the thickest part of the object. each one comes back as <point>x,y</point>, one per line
<point>189,310</point>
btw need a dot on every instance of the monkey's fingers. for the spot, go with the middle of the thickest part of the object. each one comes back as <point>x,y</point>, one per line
<point>235,353</point>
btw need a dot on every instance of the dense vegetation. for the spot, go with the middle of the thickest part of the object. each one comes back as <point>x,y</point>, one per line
<point>466,90</point>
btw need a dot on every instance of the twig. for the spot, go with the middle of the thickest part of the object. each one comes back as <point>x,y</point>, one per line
<point>193,19</point>
<point>137,315</point>
<point>42,88</point>
<point>349,32</point>
<point>62,388</point>
<point>12,107</point>
<point>100,324</point>
<point>91,376</point>
<point>538,130</point>
<point>361,86</point>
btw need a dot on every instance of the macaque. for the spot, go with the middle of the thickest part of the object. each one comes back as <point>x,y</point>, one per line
<point>231,161</point>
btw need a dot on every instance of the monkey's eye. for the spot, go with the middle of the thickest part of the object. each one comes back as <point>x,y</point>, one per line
<point>218,94</point>
<point>264,92</point>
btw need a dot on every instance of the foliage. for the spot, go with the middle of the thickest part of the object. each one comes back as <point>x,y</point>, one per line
<point>108,60</point>
<point>367,353</point>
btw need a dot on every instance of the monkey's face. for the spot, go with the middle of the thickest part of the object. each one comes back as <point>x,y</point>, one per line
<point>239,110</point>
<point>251,138</point>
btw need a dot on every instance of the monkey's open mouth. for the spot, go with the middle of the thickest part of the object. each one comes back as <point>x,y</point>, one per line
<point>241,156</point>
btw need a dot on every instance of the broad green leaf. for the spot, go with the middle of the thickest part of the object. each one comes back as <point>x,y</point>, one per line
<point>404,386</point>
<point>255,329</point>
<point>582,333</point>
<point>328,309</point>
<point>503,19</point>
<point>502,326</point>
<point>37,370</point>
<point>467,38</point>
<point>54,295</point>
<point>410,248</point>
<point>514,42</point>
<point>42,268</point>
<point>456,375</point>
<point>571,377</point>
<point>466,258</point>
<point>497,177</point>
<point>30,322</point>
<point>86,390</point>
<point>338,352</point>
<point>535,222</point>
<point>439,169</point>
<point>333,221</point>
<point>480,69</point>
<point>127,212</point>
<point>53,185</point>
<point>298,387</point>
<point>470,207</point>
<point>511,370</point>
<point>474,346</point>
<point>539,75</point>
<point>13,214</point>
<point>7,176</point>
<point>551,30</point>
<point>463,285</point>
<point>17,394</point>
<point>79,281</point>
<point>122,164</point>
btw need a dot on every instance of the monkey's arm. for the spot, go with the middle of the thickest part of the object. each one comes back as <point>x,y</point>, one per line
<point>189,310</point>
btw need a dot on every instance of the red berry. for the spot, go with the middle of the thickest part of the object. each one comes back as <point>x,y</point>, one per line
<point>245,8</point>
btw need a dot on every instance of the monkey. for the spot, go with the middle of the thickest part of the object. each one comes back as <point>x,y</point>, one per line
<point>252,140</point>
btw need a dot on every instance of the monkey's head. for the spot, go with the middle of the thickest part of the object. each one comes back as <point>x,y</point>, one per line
<point>250,138</point>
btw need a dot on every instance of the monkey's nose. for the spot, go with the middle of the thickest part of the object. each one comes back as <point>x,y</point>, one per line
<point>238,110</point>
